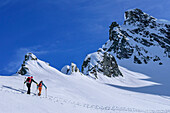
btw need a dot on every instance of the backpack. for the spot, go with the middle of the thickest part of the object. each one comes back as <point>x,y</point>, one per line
<point>28,80</point>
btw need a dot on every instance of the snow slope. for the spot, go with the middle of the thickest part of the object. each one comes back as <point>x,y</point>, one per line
<point>77,93</point>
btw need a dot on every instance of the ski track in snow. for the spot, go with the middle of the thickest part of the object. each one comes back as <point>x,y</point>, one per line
<point>100,108</point>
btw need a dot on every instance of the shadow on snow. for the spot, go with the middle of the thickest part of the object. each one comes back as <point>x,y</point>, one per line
<point>160,90</point>
<point>14,89</point>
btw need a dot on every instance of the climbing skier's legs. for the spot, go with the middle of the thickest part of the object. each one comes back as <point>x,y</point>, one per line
<point>39,88</point>
<point>29,88</point>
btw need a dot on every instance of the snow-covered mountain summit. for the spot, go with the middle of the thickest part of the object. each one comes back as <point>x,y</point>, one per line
<point>24,69</point>
<point>142,39</point>
<point>33,66</point>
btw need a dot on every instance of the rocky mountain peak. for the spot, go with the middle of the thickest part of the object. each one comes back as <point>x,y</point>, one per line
<point>136,16</point>
<point>31,63</point>
<point>137,37</point>
<point>23,69</point>
<point>142,39</point>
<point>30,56</point>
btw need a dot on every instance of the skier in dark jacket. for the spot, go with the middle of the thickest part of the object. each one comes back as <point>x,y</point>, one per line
<point>28,82</point>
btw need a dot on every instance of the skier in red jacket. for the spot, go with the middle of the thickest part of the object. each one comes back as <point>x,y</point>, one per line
<point>28,82</point>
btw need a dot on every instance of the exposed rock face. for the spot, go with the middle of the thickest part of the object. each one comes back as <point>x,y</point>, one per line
<point>137,36</point>
<point>99,62</point>
<point>70,69</point>
<point>23,70</point>
<point>142,38</point>
<point>139,18</point>
<point>30,56</point>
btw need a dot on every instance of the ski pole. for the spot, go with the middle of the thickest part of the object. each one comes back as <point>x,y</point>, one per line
<point>46,93</point>
<point>24,85</point>
<point>36,90</point>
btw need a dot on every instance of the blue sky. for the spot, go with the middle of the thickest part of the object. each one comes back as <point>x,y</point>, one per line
<point>62,31</point>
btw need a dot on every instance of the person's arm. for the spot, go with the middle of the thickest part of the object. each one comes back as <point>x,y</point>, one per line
<point>44,85</point>
<point>25,81</point>
<point>34,81</point>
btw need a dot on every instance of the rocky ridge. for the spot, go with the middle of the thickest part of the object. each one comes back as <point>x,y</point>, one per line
<point>137,36</point>
<point>142,38</point>
<point>23,70</point>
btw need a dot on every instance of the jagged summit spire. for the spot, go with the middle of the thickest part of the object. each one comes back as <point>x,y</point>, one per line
<point>30,56</point>
<point>24,69</point>
<point>31,64</point>
<point>137,36</point>
<point>137,16</point>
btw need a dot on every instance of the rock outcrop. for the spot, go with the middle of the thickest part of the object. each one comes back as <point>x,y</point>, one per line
<point>70,69</point>
<point>29,57</point>
<point>23,70</point>
<point>100,62</point>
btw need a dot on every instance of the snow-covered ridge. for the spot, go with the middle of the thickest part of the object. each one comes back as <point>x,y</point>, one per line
<point>33,66</point>
<point>78,93</point>
<point>41,69</point>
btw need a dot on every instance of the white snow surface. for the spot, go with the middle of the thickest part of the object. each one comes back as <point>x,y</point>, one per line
<point>80,94</point>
